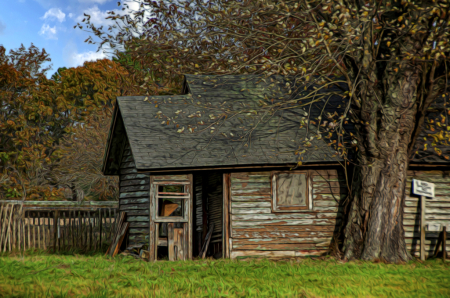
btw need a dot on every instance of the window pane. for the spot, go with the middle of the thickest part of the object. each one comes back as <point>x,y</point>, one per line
<point>291,189</point>
<point>170,207</point>
<point>171,188</point>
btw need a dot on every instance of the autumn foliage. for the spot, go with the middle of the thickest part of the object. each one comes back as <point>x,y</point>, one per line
<point>41,117</point>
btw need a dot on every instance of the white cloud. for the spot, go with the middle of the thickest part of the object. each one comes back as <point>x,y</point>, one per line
<point>80,58</point>
<point>74,58</point>
<point>70,15</point>
<point>48,32</point>
<point>98,17</point>
<point>54,13</point>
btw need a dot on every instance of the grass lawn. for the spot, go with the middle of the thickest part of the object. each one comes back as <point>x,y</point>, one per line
<point>44,275</point>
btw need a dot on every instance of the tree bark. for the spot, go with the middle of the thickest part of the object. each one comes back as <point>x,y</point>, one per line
<point>375,223</point>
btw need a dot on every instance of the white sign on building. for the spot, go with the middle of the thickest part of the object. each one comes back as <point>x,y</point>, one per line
<point>423,188</point>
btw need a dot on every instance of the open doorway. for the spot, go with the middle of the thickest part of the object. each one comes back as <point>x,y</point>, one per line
<point>208,213</point>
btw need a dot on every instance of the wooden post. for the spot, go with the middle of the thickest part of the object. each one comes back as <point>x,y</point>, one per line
<point>39,229</point>
<point>90,230</point>
<point>100,224</point>
<point>422,227</point>
<point>19,222</point>
<point>55,230</point>
<point>14,233</point>
<point>44,245</point>
<point>170,242</point>
<point>226,216</point>
<point>79,234</point>
<point>152,246</point>
<point>71,228</point>
<point>8,238</point>
<point>49,230</point>
<point>444,239</point>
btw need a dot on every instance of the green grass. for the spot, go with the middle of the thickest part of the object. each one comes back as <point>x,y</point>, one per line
<point>45,275</point>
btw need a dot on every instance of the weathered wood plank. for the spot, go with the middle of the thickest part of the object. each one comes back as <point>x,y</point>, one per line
<point>184,177</point>
<point>136,194</point>
<point>331,184</point>
<point>428,210</point>
<point>285,229</point>
<point>323,203</point>
<point>286,222</point>
<point>429,217</point>
<point>134,182</point>
<point>134,188</point>
<point>330,179</point>
<point>251,210</point>
<point>270,246</point>
<point>124,207</point>
<point>134,176</point>
<point>326,190</point>
<point>250,204</point>
<point>260,217</point>
<point>251,179</point>
<point>138,212</point>
<point>128,171</point>
<point>250,192</point>
<point>436,199</point>
<point>250,185</point>
<point>276,254</point>
<point>318,241</point>
<point>329,197</point>
<point>430,203</point>
<point>134,201</point>
<point>137,218</point>
<point>263,198</point>
<point>408,222</point>
<point>267,233</point>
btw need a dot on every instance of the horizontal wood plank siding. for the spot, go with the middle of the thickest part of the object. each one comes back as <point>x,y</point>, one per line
<point>134,199</point>
<point>258,231</point>
<point>437,211</point>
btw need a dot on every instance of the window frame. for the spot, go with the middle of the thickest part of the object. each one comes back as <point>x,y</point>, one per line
<point>308,196</point>
<point>183,198</point>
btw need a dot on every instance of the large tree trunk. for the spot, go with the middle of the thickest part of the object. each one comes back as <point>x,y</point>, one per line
<point>374,228</point>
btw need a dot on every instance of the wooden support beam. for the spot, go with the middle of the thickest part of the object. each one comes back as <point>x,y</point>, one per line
<point>422,228</point>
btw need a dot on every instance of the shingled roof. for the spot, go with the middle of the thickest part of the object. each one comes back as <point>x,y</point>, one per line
<point>182,132</point>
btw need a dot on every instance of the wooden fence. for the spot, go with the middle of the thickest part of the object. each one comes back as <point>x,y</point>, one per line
<point>56,226</point>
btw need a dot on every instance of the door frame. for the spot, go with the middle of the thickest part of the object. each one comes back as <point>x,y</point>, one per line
<point>187,180</point>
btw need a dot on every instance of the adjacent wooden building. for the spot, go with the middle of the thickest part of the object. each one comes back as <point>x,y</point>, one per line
<point>184,171</point>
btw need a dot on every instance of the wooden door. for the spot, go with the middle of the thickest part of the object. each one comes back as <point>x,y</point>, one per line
<point>171,213</point>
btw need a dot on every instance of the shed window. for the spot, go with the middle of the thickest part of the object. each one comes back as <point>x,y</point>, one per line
<point>171,201</point>
<point>290,191</point>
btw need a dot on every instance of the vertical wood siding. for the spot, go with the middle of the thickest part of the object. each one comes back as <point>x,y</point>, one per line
<point>134,199</point>
<point>256,230</point>
<point>437,210</point>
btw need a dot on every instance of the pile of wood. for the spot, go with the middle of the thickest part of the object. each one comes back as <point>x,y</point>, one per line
<point>119,235</point>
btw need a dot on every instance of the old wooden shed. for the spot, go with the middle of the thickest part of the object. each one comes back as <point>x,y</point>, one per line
<point>182,171</point>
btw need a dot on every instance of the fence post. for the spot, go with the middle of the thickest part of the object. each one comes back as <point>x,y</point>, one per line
<point>55,232</point>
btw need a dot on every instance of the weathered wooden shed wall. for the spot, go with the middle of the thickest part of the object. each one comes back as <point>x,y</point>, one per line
<point>437,210</point>
<point>134,198</point>
<point>256,230</point>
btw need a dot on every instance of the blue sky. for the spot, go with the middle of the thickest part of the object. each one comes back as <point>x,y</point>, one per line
<point>49,24</point>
